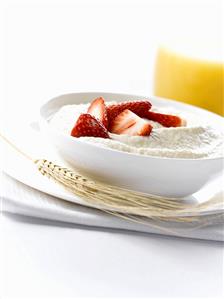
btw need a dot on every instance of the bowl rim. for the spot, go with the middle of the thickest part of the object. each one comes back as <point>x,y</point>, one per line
<point>43,119</point>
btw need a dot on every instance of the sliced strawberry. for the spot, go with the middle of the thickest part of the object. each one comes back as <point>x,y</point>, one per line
<point>138,107</point>
<point>98,109</point>
<point>129,123</point>
<point>88,125</point>
<point>166,120</point>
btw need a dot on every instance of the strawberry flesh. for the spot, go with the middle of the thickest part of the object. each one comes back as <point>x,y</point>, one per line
<point>88,125</point>
<point>129,123</point>
<point>99,110</point>
<point>138,107</point>
<point>166,120</point>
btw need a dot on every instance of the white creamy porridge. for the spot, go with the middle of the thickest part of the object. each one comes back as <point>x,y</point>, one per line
<point>196,140</point>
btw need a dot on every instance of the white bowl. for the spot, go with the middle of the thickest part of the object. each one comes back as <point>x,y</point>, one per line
<point>161,176</point>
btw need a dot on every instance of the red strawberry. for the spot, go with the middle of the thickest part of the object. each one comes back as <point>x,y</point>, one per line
<point>129,123</point>
<point>88,125</point>
<point>166,120</point>
<point>138,107</point>
<point>98,109</point>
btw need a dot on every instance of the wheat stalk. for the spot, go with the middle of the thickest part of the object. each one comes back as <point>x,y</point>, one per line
<point>126,204</point>
<point>117,200</point>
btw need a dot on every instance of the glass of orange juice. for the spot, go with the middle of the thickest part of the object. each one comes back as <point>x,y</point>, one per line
<point>191,78</point>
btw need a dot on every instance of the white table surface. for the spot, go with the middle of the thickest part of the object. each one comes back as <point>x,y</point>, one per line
<point>82,46</point>
<point>49,259</point>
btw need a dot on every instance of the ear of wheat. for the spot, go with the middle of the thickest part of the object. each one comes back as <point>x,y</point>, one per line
<point>121,201</point>
<point>126,204</point>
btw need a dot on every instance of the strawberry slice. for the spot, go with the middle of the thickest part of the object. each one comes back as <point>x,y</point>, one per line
<point>166,120</point>
<point>138,107</point>
<point>88,125</point>
<point>98,109</point>
<point>129,123</point>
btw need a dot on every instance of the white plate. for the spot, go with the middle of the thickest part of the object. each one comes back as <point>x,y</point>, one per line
<point>162,176</point>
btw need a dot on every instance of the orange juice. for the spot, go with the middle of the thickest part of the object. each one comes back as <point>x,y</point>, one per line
<point>194,81</point>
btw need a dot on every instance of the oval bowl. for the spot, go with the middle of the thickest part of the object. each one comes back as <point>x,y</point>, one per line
<point>168,177</point>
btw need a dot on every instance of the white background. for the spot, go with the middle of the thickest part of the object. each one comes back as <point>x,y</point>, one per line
<point>55,47</point>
